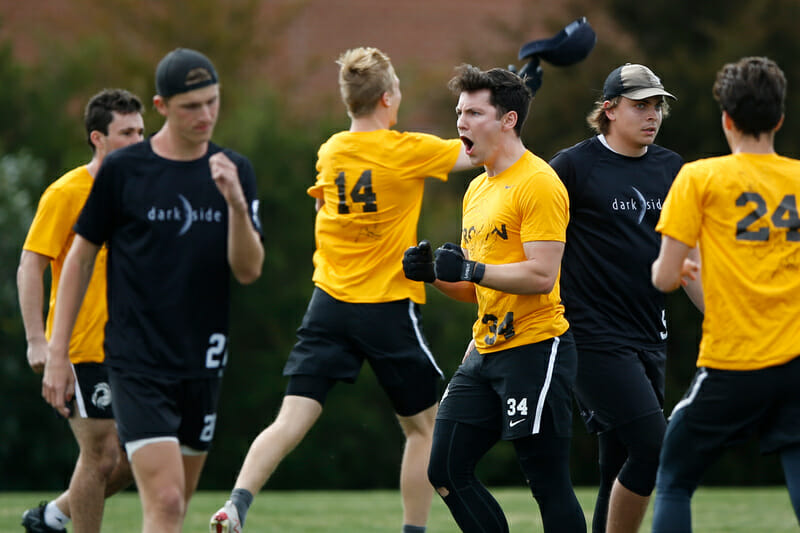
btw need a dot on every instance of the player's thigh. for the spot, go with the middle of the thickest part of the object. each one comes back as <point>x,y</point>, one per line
<point>154,407</point>
<point>93,397</point>
<point>325,344</point>
<point>158,469</point>
<point>389,336</point>
<point>535,382</point>
<point>198,403</point>
<point>470,398</point>
<point>723,407</point>
<point>94,435</point>
<point>615,386</point>
<point>781,429</point>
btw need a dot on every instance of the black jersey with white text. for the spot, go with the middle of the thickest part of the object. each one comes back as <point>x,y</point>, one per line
<point>615,203</point>
<point>166,225</point>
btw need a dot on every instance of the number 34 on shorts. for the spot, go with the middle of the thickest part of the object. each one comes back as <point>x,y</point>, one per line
<point>517,410</point>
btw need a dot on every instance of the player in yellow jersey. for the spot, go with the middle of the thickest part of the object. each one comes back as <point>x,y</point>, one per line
<point>369,188</point>
<point>741,209</point>
<point>515,382</point>
<point>113,120</point>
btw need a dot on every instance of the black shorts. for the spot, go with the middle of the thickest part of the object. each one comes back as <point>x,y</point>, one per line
<point>336,337</point>
<point>92,391</point>
<point>723,407</point>
<point>507,391</point>
<point>150,406</point>
<point>617,385</point>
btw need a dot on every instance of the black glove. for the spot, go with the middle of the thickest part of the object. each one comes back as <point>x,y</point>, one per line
<point>450,265</point>
<point>418,263</point>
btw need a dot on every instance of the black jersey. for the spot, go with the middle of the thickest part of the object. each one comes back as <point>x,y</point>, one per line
<point>615,203</point>
<point>166,225</point>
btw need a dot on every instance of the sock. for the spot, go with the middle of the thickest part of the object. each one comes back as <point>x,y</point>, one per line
<point>413,529</point>
<point>242,499</point>
<point>54,517</point>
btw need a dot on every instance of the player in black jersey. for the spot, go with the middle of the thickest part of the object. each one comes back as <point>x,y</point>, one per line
<point>179,215</point>
<point>617,182</point>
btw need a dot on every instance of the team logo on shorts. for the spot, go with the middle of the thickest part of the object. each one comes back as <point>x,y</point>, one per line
<point>101,397</point>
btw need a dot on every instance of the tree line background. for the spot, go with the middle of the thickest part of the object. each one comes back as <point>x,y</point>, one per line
<point>41,137</point>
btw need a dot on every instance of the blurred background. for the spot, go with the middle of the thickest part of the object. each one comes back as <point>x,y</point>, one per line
<point>280,101</point>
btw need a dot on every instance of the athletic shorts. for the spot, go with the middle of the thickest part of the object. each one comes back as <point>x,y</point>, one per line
<point>92,391</point>
<point>336,337</point>
<point>151,406</point>
<point>617,385</point>
<point>508,391</point>
<point>724,407</point>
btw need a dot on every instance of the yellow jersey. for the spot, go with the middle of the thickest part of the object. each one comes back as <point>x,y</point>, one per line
<point>527,202</point>
<point>51,234</point>
<point>742,211</point>
<point>372,184</point>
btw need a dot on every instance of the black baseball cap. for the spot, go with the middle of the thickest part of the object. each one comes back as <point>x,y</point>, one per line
<point>184,70</point>
<point>636,82</point>
<point>567,47</point>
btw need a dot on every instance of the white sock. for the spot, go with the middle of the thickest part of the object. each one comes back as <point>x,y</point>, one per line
<point>54,517</point>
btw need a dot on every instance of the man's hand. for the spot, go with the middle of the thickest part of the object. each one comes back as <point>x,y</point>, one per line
<point>58,384</point>
<point>37,355</point>
<point>450,265</point>
<point>689,271</point>
<point>226,177</point>
<point>418,263</point>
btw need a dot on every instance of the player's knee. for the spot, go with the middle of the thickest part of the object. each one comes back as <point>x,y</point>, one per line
<point>439,477</point>
<point>643,440</point>
<point>639,476</point>
<point>170,504</point>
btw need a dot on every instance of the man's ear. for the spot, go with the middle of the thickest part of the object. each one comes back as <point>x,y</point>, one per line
<point>608,109</point>
<point>780,123</point>
<point>96,136</point>
<point>727,121</point>
<point>160,103</point>
<point>509,120</point>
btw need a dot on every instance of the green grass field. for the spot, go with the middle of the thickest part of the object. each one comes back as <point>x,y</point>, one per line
<point>729,510</point>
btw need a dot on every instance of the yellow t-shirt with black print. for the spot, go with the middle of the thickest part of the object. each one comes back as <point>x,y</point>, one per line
<point>525,203</point>
<point>372,184</point>
<point>51,235</point>
<point>742,211</point>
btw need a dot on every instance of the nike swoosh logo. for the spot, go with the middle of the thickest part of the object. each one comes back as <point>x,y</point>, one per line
<point>515,422</point>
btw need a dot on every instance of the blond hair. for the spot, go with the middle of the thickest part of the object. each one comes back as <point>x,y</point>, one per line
<point>599,122</point>
<point>365,73</point>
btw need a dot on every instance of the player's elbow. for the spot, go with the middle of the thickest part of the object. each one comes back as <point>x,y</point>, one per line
<point>248,274</point>
<point>536,285</point>
<point>544,286</point>
<point>662,280</point>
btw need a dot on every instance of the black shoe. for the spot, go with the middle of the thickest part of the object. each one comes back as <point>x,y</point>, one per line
<point>33,521</point>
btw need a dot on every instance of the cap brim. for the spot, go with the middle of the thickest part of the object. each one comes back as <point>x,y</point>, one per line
<point>641,94</point>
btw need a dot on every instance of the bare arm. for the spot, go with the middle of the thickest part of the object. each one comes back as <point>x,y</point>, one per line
<point>463,162</point>
<point>463,291</point>
<point>536,275</point>
<point>30,288</point>
<point>673,267</point>
<point>693,286</point>
<point>245,251</point>
<point>58,384</point>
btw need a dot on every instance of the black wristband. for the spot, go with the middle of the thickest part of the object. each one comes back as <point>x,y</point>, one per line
<point>473,271</point>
